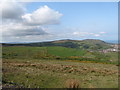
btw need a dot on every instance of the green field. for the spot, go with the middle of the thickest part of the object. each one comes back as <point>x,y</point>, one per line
<point>58,67</point>
<point>58,53</point>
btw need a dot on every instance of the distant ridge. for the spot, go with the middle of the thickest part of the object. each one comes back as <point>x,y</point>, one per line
<point>90,44</point>
<point>63,40</point>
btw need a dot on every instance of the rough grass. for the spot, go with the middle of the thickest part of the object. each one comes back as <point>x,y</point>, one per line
<point>34,73</point>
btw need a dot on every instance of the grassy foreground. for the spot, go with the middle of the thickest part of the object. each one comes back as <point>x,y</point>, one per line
<point>38,73</point>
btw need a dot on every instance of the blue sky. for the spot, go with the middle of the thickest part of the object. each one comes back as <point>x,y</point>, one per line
<point>78,20</point>
<point>85,16</point>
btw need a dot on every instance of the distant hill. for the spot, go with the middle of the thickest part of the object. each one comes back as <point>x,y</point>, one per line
<point>89,44</point>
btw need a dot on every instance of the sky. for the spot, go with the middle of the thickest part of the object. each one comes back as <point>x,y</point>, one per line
<point>47,21</point>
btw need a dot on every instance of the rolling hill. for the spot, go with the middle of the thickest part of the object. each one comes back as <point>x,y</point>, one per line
<point>88,44</point>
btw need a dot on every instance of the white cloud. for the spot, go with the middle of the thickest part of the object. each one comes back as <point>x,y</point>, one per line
<point>85,34</point>
<point>20,26</point>
<point>42,16</point>
<point>102,32</point>
<point>21,30</point>
<point>76,33</point>
<point>11,10</point>
<point>97,35</point>
<point>82,33</point>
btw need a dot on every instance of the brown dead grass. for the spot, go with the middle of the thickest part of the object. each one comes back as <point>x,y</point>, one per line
<point>72,83</point>
<point>65,68</point>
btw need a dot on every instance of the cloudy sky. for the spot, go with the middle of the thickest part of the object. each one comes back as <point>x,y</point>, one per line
<point>45,21</point>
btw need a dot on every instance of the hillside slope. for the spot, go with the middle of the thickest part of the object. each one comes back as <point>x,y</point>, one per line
<point>90,44</point>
